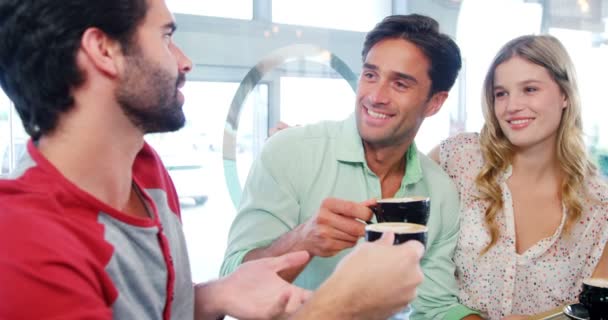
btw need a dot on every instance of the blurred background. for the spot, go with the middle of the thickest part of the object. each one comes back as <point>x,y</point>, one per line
<point>260,61</point>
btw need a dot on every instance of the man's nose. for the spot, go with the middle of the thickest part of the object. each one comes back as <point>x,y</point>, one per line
<point>184,63</point>
<point>379,93</point>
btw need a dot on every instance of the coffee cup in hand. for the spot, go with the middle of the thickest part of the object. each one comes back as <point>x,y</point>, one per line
<point>409,209</point>
<point>403,231</point>
<point>595,298</point>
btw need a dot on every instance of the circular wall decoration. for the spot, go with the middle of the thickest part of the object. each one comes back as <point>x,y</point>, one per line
<point>252,79</point>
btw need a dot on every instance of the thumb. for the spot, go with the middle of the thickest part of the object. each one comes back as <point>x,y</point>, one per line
<point>415,246</point>
<point>289,260</point>
<point>279,307</point>
<point>387,239</point>
<point>369,202</point>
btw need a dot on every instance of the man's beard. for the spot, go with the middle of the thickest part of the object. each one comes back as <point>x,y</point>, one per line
<point>148,96</point>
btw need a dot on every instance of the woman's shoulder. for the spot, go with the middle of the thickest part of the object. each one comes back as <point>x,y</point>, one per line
<point>597,189</point>
<point>461,147</point>
<point>462,140</point>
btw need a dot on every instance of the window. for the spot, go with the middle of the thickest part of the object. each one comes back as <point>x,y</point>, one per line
<point>590,63</point>
<point>201,169</point>
<point>5,133</point>
<point>236,9</point>
<point>13,139</point>
<point>336,14</point>
<point>309,100</point>
<point>479,45</point>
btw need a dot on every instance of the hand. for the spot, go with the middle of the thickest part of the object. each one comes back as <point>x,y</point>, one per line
<point>334,228</point>
<point>383,276</point>
<point>374,281</point>
<point>253,291</point>
<point>280,126</point>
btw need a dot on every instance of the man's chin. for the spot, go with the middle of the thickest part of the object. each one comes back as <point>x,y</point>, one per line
<point>168,124</point>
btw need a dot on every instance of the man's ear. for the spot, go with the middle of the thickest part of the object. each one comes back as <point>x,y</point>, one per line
<point>102,52</point>
<point>435,102</point>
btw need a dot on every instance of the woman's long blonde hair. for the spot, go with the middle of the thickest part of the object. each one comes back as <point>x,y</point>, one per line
<point>548,52</point>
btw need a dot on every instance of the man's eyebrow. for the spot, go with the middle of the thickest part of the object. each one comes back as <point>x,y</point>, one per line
<point>171,26</point>
<point>405,76</point>
<point>370,66</point>
<point>401,75</point>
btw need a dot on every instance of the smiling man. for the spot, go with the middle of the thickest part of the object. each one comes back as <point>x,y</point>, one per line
<point>312,186</point>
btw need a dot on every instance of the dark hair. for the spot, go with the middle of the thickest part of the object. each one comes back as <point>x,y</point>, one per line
<point>422,31</point>
<point>39,40</point>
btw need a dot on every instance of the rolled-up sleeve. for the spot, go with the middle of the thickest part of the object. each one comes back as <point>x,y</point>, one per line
<point>268,207</point>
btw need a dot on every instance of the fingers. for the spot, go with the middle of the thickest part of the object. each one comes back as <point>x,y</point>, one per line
<point>279,308</point>
<point>335,247</point>
<point>298,297</point>
<point>415,247</point>
<point>343,228</point>
<point>288,261</point>
<point>347,208</point>
<point>368,203</point>
<point>282,125</point>
<point>386,239</point>
<point>305,294</point>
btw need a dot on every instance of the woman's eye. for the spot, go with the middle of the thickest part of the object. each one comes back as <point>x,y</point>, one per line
<point>499,94</point>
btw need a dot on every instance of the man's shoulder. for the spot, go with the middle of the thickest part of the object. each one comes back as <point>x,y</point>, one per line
<point>438,181</point>
<point>316,131</point>
<point>302,140</point>
<point>23,203</point>
<point>30,219</point>
<point>46,247</point>
<point>432,171</point>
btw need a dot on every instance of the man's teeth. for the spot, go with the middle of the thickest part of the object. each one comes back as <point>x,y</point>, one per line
<point>520,121</point>
<point>376,114</point>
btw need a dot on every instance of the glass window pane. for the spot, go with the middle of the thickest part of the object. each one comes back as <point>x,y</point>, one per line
<point>235,9</point>
<point>333,100</point>
<point>196,163</point>
<point>13,139</point>
<point>5,106</point>
<point>479,45</point>
<point>591,64</point>
<point>362,15</point>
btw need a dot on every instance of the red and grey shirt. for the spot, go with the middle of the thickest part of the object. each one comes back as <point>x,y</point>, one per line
<point>66,255</point>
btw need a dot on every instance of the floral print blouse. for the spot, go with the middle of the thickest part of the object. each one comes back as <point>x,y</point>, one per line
<point>503,282</point>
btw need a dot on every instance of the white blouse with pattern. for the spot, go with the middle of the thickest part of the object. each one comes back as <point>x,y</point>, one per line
<point>503,282</point>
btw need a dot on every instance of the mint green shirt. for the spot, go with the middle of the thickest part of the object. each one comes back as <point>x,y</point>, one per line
<point>300,167</point>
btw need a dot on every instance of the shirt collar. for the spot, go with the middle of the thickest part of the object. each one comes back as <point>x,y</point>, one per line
<point>350,149</point>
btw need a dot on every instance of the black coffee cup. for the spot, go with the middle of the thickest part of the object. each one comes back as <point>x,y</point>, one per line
<point>403,231</point>
<point>408,209</point>
<point>595,298</point>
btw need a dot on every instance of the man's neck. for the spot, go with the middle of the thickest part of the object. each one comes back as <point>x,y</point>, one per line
<point>386,161</point>
<point>97,160</point>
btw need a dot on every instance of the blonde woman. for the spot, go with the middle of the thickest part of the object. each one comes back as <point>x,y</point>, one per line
<point>533,208</point>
